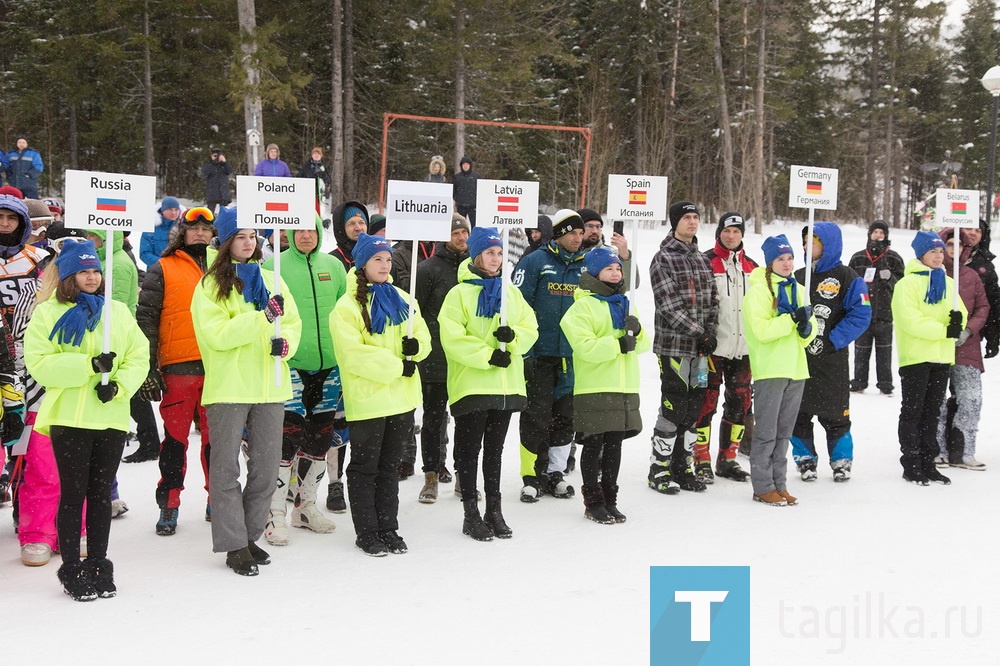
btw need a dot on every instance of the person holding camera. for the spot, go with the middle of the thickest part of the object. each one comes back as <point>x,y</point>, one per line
<point>216,173</point>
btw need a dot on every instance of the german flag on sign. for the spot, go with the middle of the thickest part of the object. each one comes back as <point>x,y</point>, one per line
<point>814,187</point>
<point>637,197</point>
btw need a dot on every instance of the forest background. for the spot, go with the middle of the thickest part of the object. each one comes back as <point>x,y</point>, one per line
<point>722,96</point>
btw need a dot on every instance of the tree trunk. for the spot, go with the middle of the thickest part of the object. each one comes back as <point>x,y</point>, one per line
<point>672,106</point>
<point>725,126</point>
<point>350,183</point>
<point>74,138</point>
<point>459,83</point>
<point>253,116</point>
<point>147,89</point>
<point>758,141</point>
<point>889,171</point>
<point>337,129</point>
<point>868,205</point>
<point>638,135</point>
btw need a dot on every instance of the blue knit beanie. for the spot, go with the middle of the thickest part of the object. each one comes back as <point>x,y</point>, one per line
<point>924,242</point>
<point>600,258</point>
<point>169,202</point>
<point>482,238</point>
<point>774,247</point>
<point>367,247</point>
<point>351,211</point>
<point>225,223</point>
<point>75,256</point>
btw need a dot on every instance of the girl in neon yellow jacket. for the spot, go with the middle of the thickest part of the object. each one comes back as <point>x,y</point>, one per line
<point>381,384</point>
<point>485,382</point>
<point>234,314</point>
<point>606,342</point>
<point>779,326</point>
<point>926,329</point>
<point>86,419</point>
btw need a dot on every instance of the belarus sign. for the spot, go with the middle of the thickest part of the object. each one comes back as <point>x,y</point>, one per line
<point>637,197</point>
<point>97,200</point>
<point>275,203</point>
<point>506,203</point>
<point>418,211</point>
<point>813,187</point>
<point>957,208</point>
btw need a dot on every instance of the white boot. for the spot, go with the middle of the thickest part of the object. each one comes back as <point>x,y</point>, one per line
<point>276,531</point>
<point>305,514</point>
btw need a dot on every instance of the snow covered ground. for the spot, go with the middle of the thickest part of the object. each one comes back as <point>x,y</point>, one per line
<point>875,571</point>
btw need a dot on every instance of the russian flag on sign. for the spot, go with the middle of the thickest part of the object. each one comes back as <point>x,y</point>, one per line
<point>508,204</point>
<point>114,205</point>
<point>276,207</point>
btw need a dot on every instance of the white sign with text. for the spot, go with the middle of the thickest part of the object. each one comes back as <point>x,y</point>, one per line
<point>637,197</point>
<point>275,203</point>
<point>957,208</point>
<point>506,203</point>
<point>813,187</point>
<point>98,200</point>
<point>418,211</point>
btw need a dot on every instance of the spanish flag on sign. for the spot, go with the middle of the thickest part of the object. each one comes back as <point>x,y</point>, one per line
<point>637,197</point>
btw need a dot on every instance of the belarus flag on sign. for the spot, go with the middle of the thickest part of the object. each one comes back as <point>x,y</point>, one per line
<point>508,204</point>
<point>115,205</point>
<point>958,208</point>
<point>637,197</point>
<point>276,207</point>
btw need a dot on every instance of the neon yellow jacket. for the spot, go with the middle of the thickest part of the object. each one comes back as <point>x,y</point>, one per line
<point>776,350</point>
<point>235,343</point>
<point>371,365</point>
<point>599,366</point>
<point>921,327</point>
<point>68,376</point>
<point>468,340</point>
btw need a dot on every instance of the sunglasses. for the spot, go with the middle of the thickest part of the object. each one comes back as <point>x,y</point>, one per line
<point>198,214</point>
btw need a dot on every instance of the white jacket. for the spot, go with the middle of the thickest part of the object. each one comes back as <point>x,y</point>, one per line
<point>732,272</point>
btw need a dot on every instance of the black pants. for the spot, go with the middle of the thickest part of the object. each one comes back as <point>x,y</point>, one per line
<point>372,480</point>
<point>681,403</point>
<point>923,388</point>
<point>601,458</point>
<point>880,333</point>
<point>145,424</point>
<point>314,432</point>
<point>546,421</point>
<point>468,212</point>
<point>486,429</point>
<point>87,461</point>
<point>433,449</point>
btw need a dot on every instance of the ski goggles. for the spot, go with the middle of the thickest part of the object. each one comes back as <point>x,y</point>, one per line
<point>199,214</point>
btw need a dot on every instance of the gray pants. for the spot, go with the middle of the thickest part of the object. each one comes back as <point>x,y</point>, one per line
<point>775,407</point>
<point>967,390</point>
<point>239,515</point>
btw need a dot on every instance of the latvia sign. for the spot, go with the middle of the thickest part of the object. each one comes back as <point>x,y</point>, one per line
<point>97,200</point>
<point>418,211</point>
<point>637,197</point>
<point>275,203</point>
<point>813,187</point>
<point>956,208</point>
<point>506,203</point>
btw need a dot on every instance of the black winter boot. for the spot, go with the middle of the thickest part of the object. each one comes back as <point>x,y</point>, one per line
<point>494,518</point>
<point>76,581</point>
<point>473,524</point>
<point>611,501</point>
<point>956,446</point>
<point>102,574</point>
<point>593,500</point>
<point>146,451</point>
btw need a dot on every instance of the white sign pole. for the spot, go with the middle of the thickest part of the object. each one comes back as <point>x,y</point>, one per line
<point>504,280</point>
<point>809,251</point>
<point>109,245</point>
<point>633,266</point>
<point>277,290</point>
<point>413,286</point>
<point>955,260</point>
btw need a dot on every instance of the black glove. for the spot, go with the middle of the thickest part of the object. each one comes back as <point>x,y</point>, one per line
<point>409,367</point>
<point>152,389</point>
<point>802,314</point>
<point>954,324</point>
<point>411,346</point>
<point>106,391</point>
<point>103,362</point>
<point>632,325</point>
<point>275,308</point>
<point>804,328</point>
<point>707,345</point>
<point>626,343</point>
<point>504,334</point>
<point>279,347</point>
<point>13,427</point>
<point>992,348</point>
<point>500,358</point>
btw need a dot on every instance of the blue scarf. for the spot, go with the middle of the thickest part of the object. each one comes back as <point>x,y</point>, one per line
<point>387,304</point>
<point>784,306</point>
<point>489,296</point>
<point>254,290</point>
<point>935,286</point>
<point>82,317</point>
<point>618,303</point>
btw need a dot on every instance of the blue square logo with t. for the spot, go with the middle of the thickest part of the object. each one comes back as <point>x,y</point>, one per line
<point>699,616</point>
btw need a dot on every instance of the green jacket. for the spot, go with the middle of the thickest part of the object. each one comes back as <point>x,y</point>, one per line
<point>371,365</point>
<point>124,274</point>
<point>921,327</point>
<point>235,343</point>
<point>68,376</point>
<point>776,350</point>
<point>316,281</point>
<point>468,340</point>
<point>599,366</point>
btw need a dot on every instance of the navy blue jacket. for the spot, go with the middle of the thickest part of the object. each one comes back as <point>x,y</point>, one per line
<point>548,278</point>
<point>24,168</point>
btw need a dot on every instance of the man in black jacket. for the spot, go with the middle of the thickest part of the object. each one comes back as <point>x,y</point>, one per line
<point>216,173</point>
<point>464,190</point>
<point>981,261</point>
